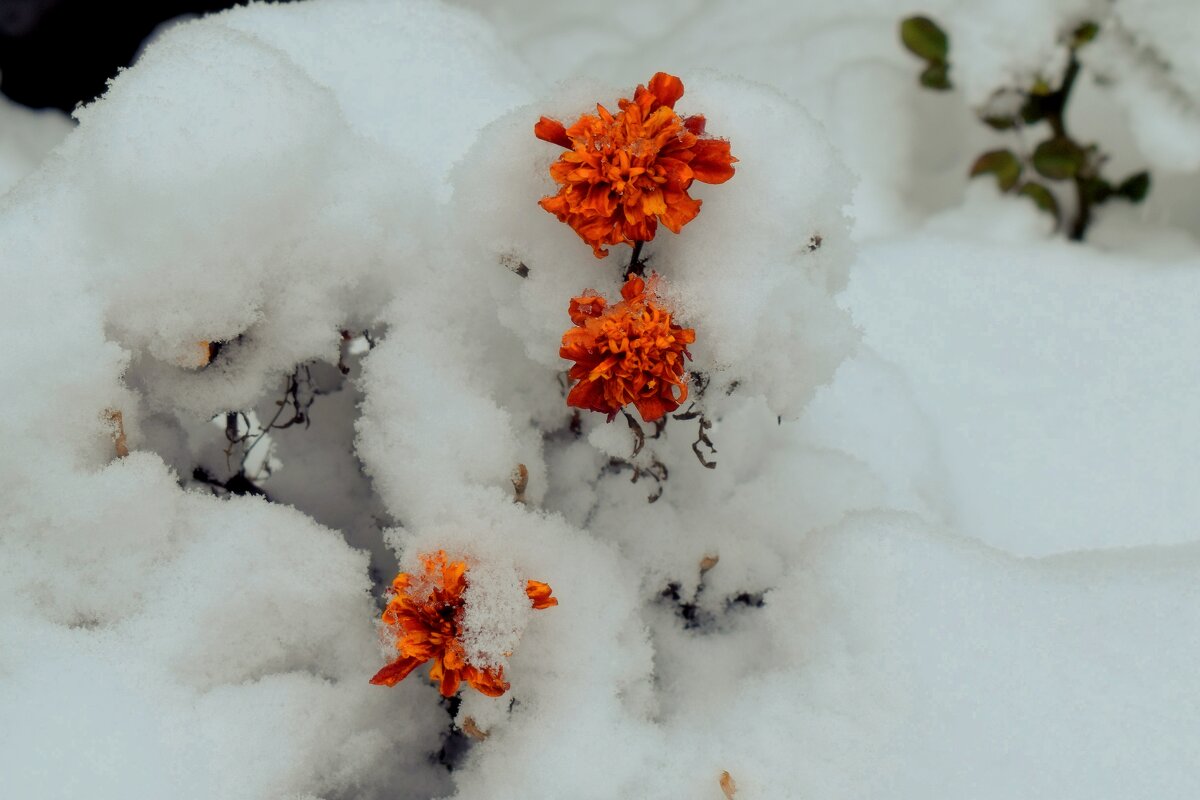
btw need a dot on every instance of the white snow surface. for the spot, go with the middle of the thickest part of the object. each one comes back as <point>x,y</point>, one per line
<point>26,136</point>
<point>949,547</point>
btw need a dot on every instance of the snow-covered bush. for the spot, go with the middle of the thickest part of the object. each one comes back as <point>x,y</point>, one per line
<point>284,321</point>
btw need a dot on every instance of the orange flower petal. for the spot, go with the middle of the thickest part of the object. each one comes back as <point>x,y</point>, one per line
<point>712,162</point>
<point>667,88</point>
<point>396,671</point>
<point>552,131</point>
<point>589,395</point>
<point>540,594</point>
<point>681,209</point>
<point>489,682</point>
<point>652,407</point>
<point>424,616</point>
<point>584,307</point>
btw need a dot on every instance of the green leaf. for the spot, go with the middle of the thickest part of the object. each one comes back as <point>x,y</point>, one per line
<point>1059,158</point>
<point>1000,123</point>
<point>924,38</point>
<point>935,76</point>
<point>1096,190</point>
<point>1084,34</point>
<point>1135,187</point>
<point>1041,196</point>
<point>1040,88</point>
<point>1004,164</point>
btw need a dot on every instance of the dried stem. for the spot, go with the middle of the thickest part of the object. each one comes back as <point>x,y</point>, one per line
<point>637,264</point>
<point>701,435</point>
<point>639,436</point>
<point>702,438</point>
<point>1056,110</point>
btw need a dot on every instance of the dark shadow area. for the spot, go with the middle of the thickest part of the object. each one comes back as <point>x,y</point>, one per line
<point>59,53</point>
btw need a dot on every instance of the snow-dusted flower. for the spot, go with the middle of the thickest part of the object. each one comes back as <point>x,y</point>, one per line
<point>630,353</point>
<point>425,613</point>
<point>622,174</point>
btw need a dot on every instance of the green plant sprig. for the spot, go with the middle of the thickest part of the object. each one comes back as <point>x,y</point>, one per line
<point>1060,158</point>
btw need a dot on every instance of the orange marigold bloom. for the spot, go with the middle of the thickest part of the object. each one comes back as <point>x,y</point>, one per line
<point>630,353</point>
<point>625,173</point>
<point>425,613</point>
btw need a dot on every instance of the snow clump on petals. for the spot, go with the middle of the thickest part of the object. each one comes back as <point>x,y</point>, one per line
<point>426,615</point>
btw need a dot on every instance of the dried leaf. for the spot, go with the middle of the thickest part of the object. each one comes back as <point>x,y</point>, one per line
<point>118,421</point>
<point>199,354</point>
<point>727,785</point>
<point>520,482</point>
<point>471,729</point>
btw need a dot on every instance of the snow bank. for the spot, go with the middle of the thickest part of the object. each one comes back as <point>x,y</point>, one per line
<point>1060,385</point>
<point>27,137</point>
<point>325,214</point>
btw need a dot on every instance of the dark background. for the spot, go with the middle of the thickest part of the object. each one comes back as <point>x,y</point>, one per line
<point>59,53</point>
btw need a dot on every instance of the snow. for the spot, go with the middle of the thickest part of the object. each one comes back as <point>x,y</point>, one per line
<point>947,546</point>
<point>28,136</point>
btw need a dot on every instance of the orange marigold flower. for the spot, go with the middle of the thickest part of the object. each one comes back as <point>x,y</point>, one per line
<point>625,173</point>
<point>630,353</point>
<point>425,614</point>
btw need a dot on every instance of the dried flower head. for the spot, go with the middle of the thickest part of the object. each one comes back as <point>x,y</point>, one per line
<point>625,172</point>
<point>630,353</point>
<point>425,614</point>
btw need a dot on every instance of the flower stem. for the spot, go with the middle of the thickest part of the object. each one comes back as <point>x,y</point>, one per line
<point>1056,117</point>
<point>636,265</point>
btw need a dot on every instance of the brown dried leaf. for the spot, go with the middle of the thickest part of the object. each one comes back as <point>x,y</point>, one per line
<point>520,482</point>
<point>198,354</point>
<point>118,422</point>
<point>471,729</point>
<point>727,785</point>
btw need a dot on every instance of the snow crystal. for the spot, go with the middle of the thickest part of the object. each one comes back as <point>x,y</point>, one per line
<point>495,613</point>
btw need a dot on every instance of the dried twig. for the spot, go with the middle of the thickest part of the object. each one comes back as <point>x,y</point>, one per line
<point>658,471</point>
<point>702,438</point>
